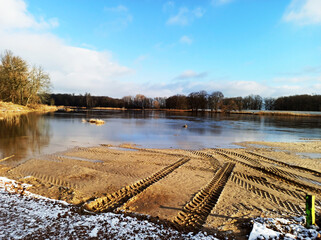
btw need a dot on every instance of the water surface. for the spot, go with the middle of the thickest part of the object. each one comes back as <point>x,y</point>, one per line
<point>34,134</point>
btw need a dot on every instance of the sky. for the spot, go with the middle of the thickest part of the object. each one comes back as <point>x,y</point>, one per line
<point>160,48</point>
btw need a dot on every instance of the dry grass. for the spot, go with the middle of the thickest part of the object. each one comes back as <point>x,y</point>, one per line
<point>278,113</point>
<point>8,109</point>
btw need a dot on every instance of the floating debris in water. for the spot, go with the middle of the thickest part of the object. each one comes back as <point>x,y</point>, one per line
<point>94,121</point>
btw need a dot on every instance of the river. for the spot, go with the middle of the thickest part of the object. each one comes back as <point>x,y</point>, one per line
<point>36,134</point>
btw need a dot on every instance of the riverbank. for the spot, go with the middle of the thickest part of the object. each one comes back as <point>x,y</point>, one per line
<point>259,180</point>
<point>245,112</point>
<point>8,109</point>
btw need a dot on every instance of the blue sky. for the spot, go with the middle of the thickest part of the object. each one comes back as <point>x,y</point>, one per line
<point>162,48</point>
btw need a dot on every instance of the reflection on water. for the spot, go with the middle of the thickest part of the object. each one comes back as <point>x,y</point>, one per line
<point>23,136</point>
<point>35,134</point>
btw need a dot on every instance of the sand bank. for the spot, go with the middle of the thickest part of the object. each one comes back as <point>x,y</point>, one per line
<point>189,188</point>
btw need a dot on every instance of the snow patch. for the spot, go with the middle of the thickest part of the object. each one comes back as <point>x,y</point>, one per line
<point>260,231</point>
<point>27,216</point>
<point>280,228</point>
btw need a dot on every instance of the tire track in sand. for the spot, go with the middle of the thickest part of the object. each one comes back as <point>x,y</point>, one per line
<point>271,172</point>
<point>118,198</point>
<point>195,212</point>
<point>266,195</point>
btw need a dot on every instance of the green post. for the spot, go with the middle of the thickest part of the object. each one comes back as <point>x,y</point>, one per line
<point>310,210</point>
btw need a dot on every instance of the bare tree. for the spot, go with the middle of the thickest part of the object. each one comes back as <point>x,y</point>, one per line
<point>198,100</point>
<point>229,105</point>
<point>269,103</point>
<point>177,102</point>
<point>20,85</point>
<point>214,100</point>
<point>140,100</point>
<point>13,77</point>
<point>38,86</point>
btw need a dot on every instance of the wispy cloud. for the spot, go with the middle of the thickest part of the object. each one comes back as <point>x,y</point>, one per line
<point>186,40</point>
<point>220,2</point>
<point>141,58</point>
<point>303,12</point>
<point>308,70</point>
<point>190,74</point>
<point>122,17</point>
<point>198,12</point>
<point>119,8</point>
<point>185,16</point>
<point>168,6</point>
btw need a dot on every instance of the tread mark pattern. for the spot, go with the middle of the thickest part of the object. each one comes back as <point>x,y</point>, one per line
<point>266,195</point>
<point>213,160</point>
<point>301,169</point>
<point>271,172</point>
<point>50,179</point>
<point>260,181</point>
<point>118,198</point>
<point>195,212</point>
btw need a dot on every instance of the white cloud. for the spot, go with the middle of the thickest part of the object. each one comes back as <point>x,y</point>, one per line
<point>14,15</point>
<point>236,88</point>
<point>288,90</point>
<point>303,12</point>
<point>245,88</point>
<point>239,88</point>
<point>190,74</point>
<point>297,79</point>
<point>72,69</point>
<point>186,40</point>
<point>186,16</point>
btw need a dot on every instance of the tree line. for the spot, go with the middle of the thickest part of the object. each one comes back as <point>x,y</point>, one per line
<point>20,83</point>
<point>195,101</point>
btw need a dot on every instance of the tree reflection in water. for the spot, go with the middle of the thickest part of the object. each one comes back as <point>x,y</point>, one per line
<point>23,136</point>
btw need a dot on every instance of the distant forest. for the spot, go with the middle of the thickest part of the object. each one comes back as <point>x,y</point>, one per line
<point>196,101</point>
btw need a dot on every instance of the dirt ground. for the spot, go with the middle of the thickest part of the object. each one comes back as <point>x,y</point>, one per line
<point>218,190</point>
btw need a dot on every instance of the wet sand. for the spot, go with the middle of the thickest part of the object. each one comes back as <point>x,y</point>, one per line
<point>268,180</point>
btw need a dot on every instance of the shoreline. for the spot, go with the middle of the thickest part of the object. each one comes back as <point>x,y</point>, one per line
<point>245,112</point>
<point>9,110</point>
